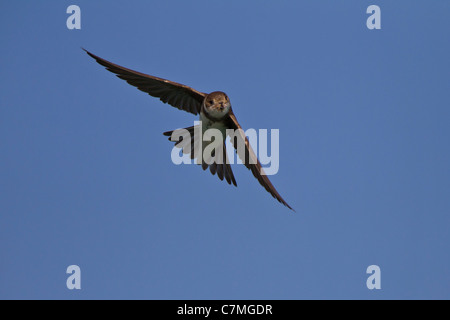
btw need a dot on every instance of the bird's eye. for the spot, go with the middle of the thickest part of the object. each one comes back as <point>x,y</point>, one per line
<point>211,102</point>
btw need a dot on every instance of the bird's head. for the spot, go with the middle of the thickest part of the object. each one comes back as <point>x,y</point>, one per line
<point>217,104</point>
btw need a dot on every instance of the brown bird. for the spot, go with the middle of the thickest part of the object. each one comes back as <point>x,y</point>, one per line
<point>215,112</point>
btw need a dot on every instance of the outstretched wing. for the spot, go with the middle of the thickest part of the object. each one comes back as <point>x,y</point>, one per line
<point>176,94</point>
<point>250,160</point>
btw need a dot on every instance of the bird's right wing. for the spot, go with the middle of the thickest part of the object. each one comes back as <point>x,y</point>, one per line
<point>176,94</point>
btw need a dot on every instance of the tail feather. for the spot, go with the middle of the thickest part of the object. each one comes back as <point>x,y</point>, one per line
<point>222,168</point>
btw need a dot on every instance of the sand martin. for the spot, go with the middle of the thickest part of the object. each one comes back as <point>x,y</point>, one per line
<point>215,112</point>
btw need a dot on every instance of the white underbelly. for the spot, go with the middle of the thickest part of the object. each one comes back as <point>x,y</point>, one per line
<point>209,124</point>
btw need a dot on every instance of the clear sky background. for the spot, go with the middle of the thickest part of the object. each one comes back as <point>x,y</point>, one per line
<point>86,176</point>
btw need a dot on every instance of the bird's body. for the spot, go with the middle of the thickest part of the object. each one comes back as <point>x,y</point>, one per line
<point>215,112</point>
<point>214,117</point>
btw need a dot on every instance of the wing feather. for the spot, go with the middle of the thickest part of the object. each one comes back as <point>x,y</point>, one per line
<point>177,95</point>
<point>250,160</point>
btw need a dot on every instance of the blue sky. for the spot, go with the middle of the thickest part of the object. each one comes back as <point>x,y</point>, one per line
<point>86,176</point>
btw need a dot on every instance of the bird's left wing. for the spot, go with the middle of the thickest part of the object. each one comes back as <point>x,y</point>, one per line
<point>250,160</point>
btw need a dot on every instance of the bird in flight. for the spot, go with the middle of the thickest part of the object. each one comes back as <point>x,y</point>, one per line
<point>215,112</point>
